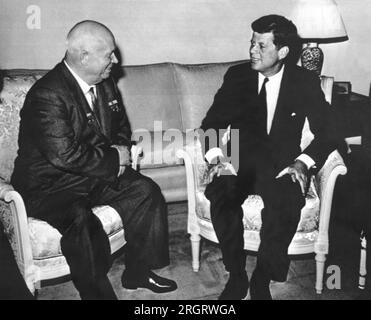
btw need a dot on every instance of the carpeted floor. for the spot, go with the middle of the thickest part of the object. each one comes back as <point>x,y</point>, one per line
<point>209,281</point>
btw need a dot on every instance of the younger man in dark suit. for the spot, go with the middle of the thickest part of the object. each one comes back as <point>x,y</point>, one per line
<point>267,100</point>
<point>74,154</point>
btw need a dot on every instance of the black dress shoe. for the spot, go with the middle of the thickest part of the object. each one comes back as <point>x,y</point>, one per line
<point>236,288</point>
<point>259,288</point>
<point>151,281</point>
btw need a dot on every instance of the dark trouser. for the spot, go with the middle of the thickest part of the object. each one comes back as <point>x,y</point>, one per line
<point>283,201</point>
<point>280,217</point>
<point>84,243</point>
<point>12,284</point>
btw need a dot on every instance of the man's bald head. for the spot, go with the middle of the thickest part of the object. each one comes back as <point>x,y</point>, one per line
<point>85,35</point>
<point>90,47</point>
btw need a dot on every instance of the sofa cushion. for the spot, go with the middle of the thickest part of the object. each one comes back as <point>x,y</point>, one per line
<point>16,84</point>
<point>172,181</point>
<point>45,240</point>
<point>197,85</point>
<point>159,148</point>
<point>149,95</point>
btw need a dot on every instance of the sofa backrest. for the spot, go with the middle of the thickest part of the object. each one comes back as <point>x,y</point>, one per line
<point>149,93</point>
<point>197,85</point>
<point>176,95</point>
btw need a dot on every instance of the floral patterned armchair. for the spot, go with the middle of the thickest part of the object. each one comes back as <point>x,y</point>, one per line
<point>36,245</point>
<point>312,231</point>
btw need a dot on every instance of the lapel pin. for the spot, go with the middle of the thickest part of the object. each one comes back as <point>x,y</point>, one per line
<point>112,102</point>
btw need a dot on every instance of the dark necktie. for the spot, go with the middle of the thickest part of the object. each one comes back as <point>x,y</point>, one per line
<point>263,105</point>
<point>93,99</point>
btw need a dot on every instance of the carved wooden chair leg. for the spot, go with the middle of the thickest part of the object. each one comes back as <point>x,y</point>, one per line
<point>362,264</point>
<point>195,242</point>
<point>320,269</point>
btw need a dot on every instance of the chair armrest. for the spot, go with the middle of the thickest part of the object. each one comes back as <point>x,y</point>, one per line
<point>325,180</point>
<point>189,163</point>
<point>135,153</point>
<point>16,227</point>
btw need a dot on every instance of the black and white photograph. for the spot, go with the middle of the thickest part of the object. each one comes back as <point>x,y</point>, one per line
<point>184,155</point>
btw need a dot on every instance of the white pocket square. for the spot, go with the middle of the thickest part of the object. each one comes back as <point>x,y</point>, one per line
<point>293,114</point>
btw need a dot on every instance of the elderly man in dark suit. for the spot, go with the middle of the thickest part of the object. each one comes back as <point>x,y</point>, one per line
<point>267,100</point>
<point>74,154</point>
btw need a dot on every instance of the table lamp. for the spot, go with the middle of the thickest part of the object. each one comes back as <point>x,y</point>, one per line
<point>318,21</point>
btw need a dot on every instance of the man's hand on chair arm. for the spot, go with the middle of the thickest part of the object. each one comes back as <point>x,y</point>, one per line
<point>298,171</point>
<point>216,167</point>
<point>356,140</point>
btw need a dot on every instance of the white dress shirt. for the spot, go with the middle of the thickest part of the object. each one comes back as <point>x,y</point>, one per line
<point>272,88</point>
<point>83,85</point>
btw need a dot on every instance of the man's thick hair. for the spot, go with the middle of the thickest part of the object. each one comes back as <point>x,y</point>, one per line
<point>284,31</point>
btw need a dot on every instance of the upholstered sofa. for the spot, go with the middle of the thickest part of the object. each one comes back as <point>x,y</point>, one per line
<point>163,101</point>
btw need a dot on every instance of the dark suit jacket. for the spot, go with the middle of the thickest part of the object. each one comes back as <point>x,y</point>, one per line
<point>300,96</point>
<point>59,143</point>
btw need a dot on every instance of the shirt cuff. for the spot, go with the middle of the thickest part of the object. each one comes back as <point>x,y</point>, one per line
<point>213,153</point>
<point>309,162</point>
<point>115,147</point>
<point>357,140</point>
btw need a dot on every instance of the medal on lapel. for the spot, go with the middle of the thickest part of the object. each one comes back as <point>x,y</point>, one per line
<point>114,106</point>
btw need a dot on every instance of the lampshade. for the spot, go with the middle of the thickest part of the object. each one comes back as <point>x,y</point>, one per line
<point>319,21</point>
